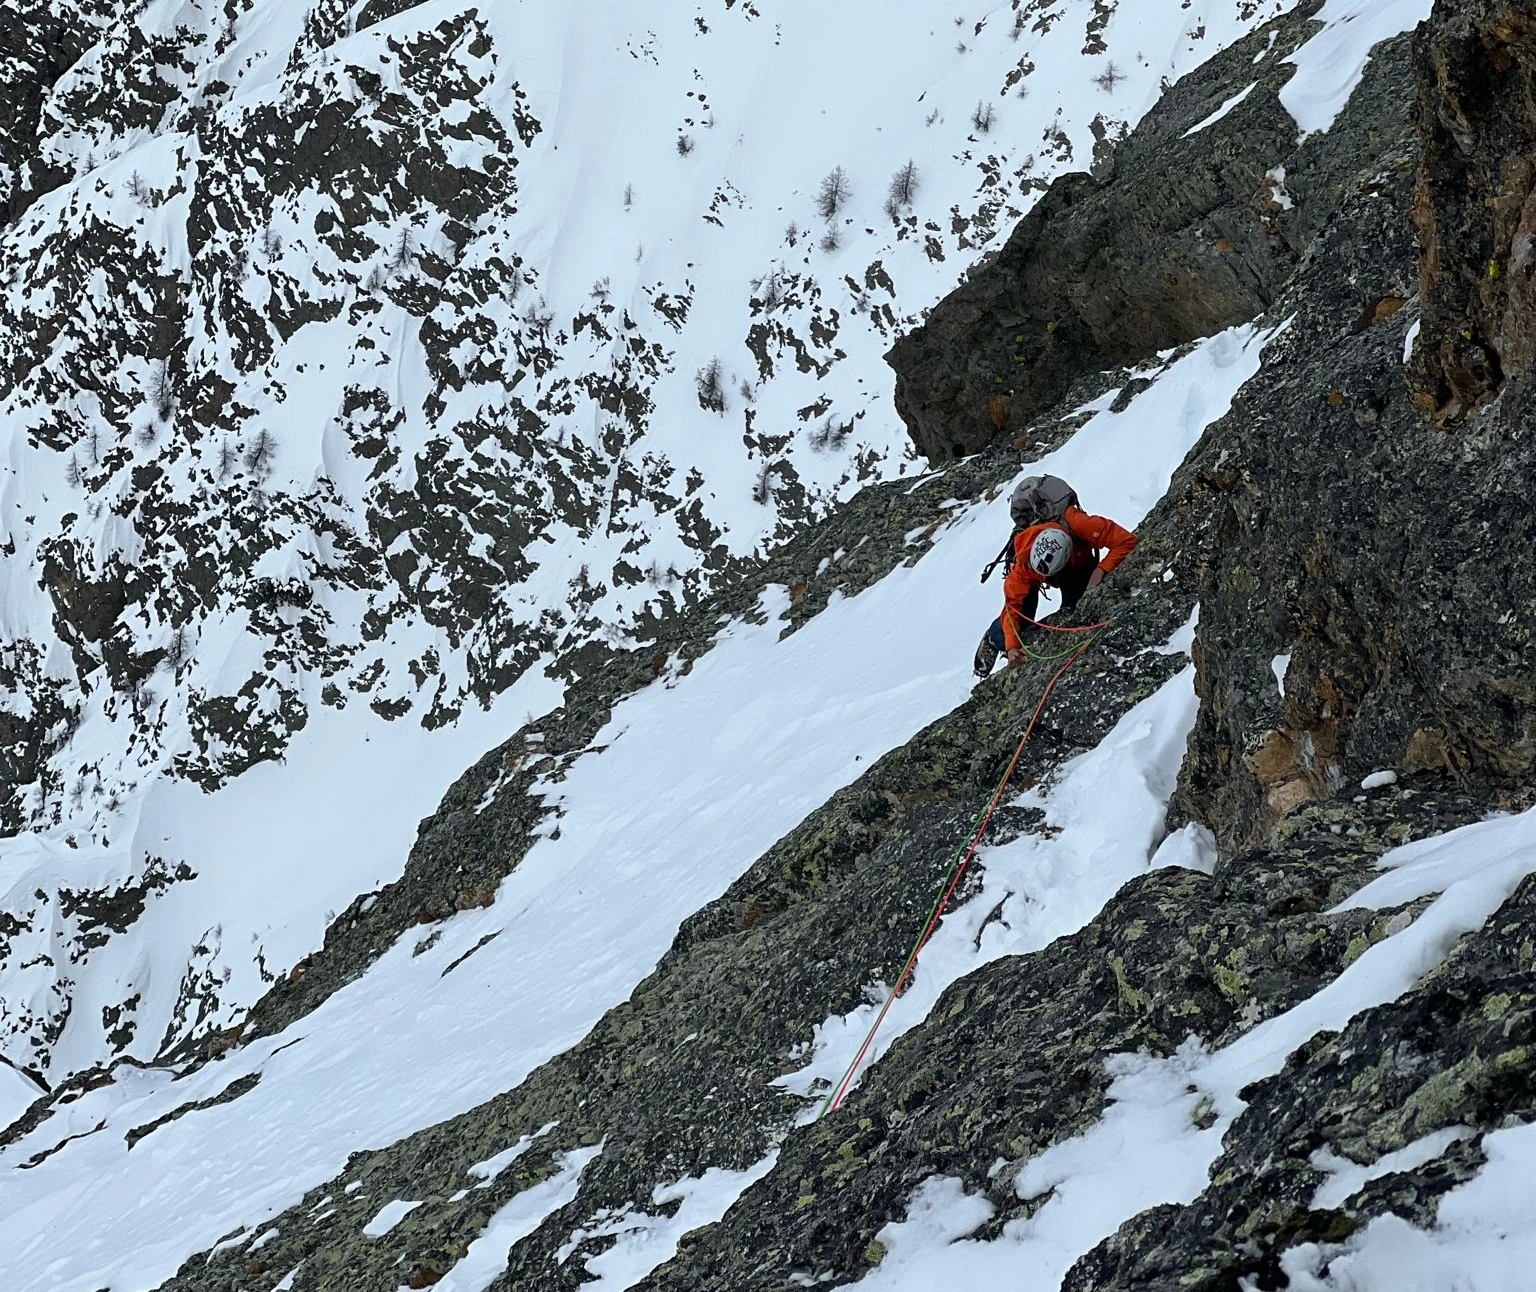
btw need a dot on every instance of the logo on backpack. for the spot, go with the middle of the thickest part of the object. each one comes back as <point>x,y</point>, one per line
<point>1035,500</point>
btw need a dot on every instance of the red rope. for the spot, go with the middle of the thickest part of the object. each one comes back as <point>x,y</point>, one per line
<point>1057,628</point>
<point>835,1100</point>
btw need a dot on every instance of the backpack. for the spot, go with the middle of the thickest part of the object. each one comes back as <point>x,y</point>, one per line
<point>1036,499</point>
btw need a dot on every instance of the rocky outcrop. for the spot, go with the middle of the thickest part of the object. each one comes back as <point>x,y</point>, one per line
<point>1384,566</point>
<point>1452,1055</point>
<point>1175,235</point>
<point>1309,524</point>
<point>1475,209</point>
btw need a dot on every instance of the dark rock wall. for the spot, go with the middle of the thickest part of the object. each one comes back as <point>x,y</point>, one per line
<point>1476,205</point>
<point>1175,237</point>
<point>1389,560</point>
<point>1454,1052</point>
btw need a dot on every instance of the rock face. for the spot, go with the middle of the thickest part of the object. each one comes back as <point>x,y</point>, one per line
<point>1476,206</point>
<point>1181,231</point>
<point>1382,562</point>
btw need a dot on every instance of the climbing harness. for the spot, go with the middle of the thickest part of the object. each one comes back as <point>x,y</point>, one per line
<point>963,855</point>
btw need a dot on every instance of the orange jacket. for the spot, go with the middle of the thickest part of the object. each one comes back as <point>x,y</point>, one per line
<point>1089,534</point>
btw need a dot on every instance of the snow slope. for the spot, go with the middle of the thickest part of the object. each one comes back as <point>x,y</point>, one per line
<point>346,428</point>
<point>756,734</point>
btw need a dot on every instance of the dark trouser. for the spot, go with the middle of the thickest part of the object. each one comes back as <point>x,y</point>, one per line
<point>1074,582</point>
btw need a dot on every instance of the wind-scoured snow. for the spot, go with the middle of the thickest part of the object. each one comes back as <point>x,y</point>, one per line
<point>1331,63</point>
<point>390,1215</point>
<point>494,1165</point>
<point>1484,1237</point>
<point>690,781</point>
<point>1347,1177</point>
<point>1149,1149</point>
<point>522,1214</point>
<point>1221,111</point>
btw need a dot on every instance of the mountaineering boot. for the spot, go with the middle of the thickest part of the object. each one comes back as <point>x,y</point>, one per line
<point>986,656</point>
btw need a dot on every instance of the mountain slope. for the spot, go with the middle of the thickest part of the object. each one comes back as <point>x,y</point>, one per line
<point>1175,1029</point>
<point>392,355</point>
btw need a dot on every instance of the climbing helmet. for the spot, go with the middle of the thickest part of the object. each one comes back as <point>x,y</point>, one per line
<point>1049,552</point>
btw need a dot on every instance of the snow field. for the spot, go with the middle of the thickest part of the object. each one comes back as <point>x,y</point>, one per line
<point>691,780</point>
<point>1331,63</point>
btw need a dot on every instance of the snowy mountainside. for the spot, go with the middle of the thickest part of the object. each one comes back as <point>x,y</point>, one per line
<point>1238,990</point>
<point>360,361</point>
<point>509,1023</point>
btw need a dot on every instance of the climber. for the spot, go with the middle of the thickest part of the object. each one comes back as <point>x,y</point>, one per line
<point>1061,552</point>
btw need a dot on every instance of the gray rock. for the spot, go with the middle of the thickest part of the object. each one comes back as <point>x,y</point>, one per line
<point>1476,208</point>
<point>1174,237</point>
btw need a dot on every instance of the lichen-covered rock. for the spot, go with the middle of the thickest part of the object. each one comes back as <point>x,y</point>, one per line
<point>1456,1052</point>
<point>1012,1058</point>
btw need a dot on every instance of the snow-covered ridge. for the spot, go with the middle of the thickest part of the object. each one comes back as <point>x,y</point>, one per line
<point>379,366</point>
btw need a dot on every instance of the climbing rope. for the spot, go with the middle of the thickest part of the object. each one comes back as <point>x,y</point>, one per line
<point>967,851</point>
